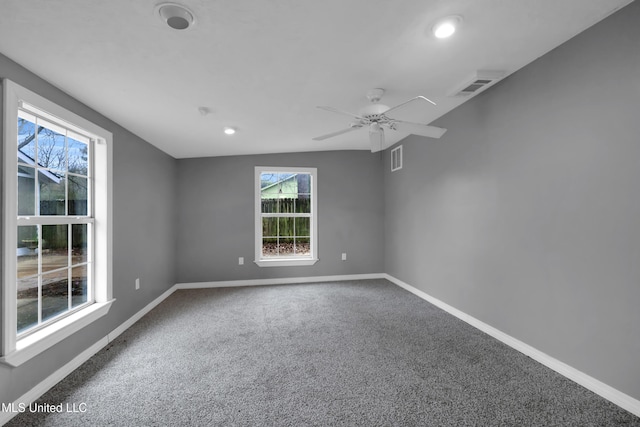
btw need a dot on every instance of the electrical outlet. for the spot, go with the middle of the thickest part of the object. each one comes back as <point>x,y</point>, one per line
<point>137,283</point>
<point>344,256</point>
<point>241,260</point>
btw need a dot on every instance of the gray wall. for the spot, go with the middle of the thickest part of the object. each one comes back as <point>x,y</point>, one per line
<point>216,220</point>
<point>144,217</point>
<point>526,214</point>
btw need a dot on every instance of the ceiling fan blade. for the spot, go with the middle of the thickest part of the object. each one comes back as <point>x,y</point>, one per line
<point>411,100</point>
<point>376,137</point>
<point>335,110</point>
<point>332,134</point>
<point>418,129</point>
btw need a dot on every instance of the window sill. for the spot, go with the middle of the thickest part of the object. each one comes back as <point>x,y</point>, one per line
<point>36,343</point>
<point>287,262</point>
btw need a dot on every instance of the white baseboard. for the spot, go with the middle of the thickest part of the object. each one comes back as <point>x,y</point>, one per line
<point>611,394</point>
<point>278,281</point>
<point>133,319</point>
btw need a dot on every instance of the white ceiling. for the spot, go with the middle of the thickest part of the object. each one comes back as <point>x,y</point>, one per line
<point>264,65</point>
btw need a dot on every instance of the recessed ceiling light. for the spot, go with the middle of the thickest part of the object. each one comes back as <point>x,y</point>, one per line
<point>175,16</point>
<point>446,26</point>
<point>229,130</point>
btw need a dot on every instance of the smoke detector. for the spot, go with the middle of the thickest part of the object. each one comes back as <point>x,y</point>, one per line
<point>175,16</point>
<point>480,81</point>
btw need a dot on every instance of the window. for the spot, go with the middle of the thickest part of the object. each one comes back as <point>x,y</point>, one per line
<point>286,225</point>
<point>56,266</point>
<point>54,221</point>
<point>396,158</point>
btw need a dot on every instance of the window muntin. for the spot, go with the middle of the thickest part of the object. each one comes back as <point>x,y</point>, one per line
<point>285,216</point>
<point>53,260</point>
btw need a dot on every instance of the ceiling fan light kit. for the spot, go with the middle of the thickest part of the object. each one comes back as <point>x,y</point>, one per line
<point>375,117</point>
<point>375,95</point>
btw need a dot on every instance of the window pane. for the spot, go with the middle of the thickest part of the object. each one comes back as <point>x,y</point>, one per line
<point>26,190</point>
<point>285,247</point>
<point>78,157</point>
<point>78,285</point>
<point>79,243</point>
<point>268,179</point>
<point>303,203</point>
<point>287,203</point>
<point>27,251</point>
<point>55,247</point>
<point>285,226</point>
<point>269,205</point>
<point>26,141</point>
<point>27,289</point>
<point>303,247</point>
<point>52,193</point>
<point>303,227</point>
<point>304,183</point>
<point>270,247</point>
<point>52,152</point>
<point>27,303</point>
<point>269,227</point>
<point>77,195</point>
<point>55,294</point>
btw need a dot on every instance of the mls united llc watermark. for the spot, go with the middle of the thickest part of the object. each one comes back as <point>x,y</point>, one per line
<point>18,408</point>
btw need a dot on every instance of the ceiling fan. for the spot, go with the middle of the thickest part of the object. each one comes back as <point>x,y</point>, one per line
<point>375,117</point>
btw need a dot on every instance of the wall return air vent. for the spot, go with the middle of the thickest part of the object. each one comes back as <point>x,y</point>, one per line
<point>396,158</point>
<point>480,81</point>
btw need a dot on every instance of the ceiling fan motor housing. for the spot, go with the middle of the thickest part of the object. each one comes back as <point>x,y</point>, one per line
<point>373,111</point>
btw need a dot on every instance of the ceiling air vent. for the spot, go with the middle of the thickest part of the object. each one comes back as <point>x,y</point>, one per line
<point>480,81</point>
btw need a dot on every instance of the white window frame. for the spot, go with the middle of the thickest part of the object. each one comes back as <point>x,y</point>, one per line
<point>283,261</point>
<point>16,350</point>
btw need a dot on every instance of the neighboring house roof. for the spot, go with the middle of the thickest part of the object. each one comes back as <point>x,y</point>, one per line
<point>279,182</point>
<point>31,162</point>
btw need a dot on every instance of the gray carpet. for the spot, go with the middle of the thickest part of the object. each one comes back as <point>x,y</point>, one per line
<point>361,353</point>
